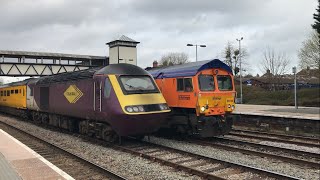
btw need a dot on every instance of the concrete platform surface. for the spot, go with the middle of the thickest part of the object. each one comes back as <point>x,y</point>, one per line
<point>26,163</point>
<point>311,113</point>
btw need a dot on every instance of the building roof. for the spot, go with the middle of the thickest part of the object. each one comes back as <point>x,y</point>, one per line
<point>124,38</point>
<point>46,55</point>
<point>188,69</point>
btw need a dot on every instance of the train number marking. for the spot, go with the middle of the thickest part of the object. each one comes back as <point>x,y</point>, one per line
<point>184,97</point>
<point>73,94</point>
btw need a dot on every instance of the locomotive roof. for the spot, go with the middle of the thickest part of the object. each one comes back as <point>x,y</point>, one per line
<point>188,69</point>
<point>120,69</point>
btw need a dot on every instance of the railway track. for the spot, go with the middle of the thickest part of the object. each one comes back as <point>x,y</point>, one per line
<point>203,166</point>
<point>292,160</point>
<point>293,152</point>
<point>74,165</point>
<point>206,167</point>
<point>289,139</point>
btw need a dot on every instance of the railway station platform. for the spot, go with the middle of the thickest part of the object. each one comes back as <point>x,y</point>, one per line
<point>308,113</point>
<point>17,161</point>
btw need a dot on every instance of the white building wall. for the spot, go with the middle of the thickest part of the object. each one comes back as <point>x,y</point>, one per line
<point>113,55</point>
<point>127,55</point>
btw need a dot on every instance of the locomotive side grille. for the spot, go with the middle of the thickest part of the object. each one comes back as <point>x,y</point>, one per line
<point>151,107</point>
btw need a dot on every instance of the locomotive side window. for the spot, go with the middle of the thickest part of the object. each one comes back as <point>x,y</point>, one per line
<point>8,92</point>
<point>180,84</point>
<point>12,91</point>
<point>224,83</point>
<point>107,88</point>
<point>206,82</point>
<point>16,91</point>
<point>184,84</point>
<point>4,93</point>
<point>1,93</point>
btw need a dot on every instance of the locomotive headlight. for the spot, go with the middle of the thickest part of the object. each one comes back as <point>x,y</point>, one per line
<point>203,108</point>
<point>135,109</point>
<point>229,106</point>
<point>129,109</point>
<point>163,107</point>
<point>233,107</point>
<point>140,108</point>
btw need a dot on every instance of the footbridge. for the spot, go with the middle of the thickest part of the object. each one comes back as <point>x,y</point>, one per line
<point>25,63</point>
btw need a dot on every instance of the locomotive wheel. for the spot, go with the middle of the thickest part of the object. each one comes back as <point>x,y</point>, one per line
<point>109,135</point>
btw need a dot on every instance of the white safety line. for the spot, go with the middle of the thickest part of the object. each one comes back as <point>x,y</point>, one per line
<point>52,166</point>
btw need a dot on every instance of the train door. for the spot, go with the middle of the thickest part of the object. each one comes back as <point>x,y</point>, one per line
<point>44,98</point>
<point>97,95</point>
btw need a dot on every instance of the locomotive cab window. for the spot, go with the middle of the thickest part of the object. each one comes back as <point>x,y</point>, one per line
<point>184,84</point>
<point>224,83</point>
<point>206,82</point>
<point>137,84</point>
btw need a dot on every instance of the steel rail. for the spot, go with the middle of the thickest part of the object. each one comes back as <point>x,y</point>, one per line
<point>284,136</point>
<point>307,144</point>
<point>107,172</point>
<point>258,153</point>
<point>276,148</point>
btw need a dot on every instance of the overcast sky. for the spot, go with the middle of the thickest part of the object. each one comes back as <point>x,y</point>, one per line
<point>84,26</point>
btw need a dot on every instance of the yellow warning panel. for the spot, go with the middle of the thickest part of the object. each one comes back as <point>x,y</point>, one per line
<point>73,94</point>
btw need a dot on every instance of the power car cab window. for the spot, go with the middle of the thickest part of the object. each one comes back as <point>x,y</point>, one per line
<point>224,83</point>
<point>184,84</point>
<point>206,82</point>
<point>138,84</point>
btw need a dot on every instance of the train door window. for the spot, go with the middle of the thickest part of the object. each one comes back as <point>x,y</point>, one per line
<point>8,92</point>
<point>31,91</point>
<point>180,84</point>
<point>16,91</point>
<point>206,82</point>
<point>224,83</point>
<point>107,88</point>
<point>184,84</point>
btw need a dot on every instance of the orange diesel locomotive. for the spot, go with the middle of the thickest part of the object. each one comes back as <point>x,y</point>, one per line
<point>200,94</point>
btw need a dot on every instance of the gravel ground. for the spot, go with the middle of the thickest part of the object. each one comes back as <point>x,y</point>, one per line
<point>263,163</point>
<point>127,165</point>
<point>278,144</point>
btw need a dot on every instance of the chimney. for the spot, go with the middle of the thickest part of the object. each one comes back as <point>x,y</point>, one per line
<point>155,64</point>
<point>268,71</point>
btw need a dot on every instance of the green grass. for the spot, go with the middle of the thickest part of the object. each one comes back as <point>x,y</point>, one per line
<point>256,95</point>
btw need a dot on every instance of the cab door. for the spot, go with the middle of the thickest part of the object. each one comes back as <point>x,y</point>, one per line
<point>97,90</point>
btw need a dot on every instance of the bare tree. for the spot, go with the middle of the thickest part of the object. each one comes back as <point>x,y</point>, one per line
<point>174,58</point>
<point>275,64</point>
<point>309,54</point>
<point>232,58</point>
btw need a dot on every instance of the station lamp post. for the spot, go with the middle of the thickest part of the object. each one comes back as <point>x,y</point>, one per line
<point>196,45</point>
<point>239,40</point>
<point>294,71</point>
